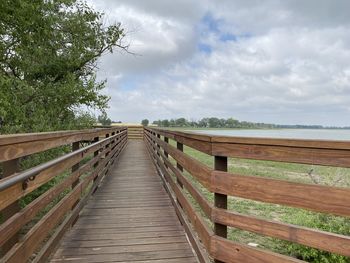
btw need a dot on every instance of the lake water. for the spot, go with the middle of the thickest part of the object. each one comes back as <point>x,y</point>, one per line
<point>326,134</point>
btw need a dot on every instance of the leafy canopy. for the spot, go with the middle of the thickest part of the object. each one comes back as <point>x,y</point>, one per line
<point>48,54</point>
<point>104,120</point>
<point>145,122</point>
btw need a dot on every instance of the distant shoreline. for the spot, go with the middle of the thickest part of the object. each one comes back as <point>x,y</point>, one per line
<point>202,128</point>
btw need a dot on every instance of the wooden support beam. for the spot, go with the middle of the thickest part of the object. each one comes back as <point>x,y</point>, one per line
<point>75,147</point>
<point>9,168</point>
<point>180,147</point>
<point>220,200</point>
<point>96,139</point>
<point>166,140</point>
<point>158,136</point>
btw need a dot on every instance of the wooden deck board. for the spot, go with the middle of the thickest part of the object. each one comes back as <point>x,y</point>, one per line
<point>130,218</point>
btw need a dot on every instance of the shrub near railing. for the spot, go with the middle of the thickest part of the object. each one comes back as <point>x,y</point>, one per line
<point>65,184</point>
<point>317,198</point>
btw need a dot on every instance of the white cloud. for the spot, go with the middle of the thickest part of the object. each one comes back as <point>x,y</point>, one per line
<point>279,62</point>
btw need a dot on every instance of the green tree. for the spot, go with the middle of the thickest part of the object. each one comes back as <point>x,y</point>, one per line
<point>204,123</point>
<point>48,54</point>
<point>181,122</point>
<point>165,123</point>
<point>145,122</point>
<point>104,120</point>
<point>214,122</point>
<point>232,123</point>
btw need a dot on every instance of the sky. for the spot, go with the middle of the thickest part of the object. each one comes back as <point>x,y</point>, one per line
<point>285,62</point>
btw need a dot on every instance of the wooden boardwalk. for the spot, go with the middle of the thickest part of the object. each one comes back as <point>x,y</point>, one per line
<point>130,218</point>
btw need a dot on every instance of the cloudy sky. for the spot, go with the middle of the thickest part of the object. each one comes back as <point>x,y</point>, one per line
<point>272,61</point>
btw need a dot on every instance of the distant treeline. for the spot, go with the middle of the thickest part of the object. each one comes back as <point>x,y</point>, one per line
<point>214,122</point>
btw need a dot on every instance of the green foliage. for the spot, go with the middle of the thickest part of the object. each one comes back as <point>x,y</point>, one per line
<point>104,120</point>
<point>323,222</point>
<point>48,54</point>
<point>145,122</point>
<point>214,122</point>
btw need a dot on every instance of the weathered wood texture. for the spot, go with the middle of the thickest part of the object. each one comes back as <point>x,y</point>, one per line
<point>317,152</point>
<point>130,218</point>
<point>181,203</point>
<point>326,199</point>
<point>135,132</point>
<point>9,168</point>
<point>67,209</point>
<point>18,145</point>
<point>57,166</point>
<point>134,215</point>
<point>205,234</point>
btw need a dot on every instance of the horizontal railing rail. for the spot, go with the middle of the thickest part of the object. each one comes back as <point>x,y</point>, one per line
<point>210,225</point>
<point>20,177</point>
<point>19,145</point>
<point>53,208</point>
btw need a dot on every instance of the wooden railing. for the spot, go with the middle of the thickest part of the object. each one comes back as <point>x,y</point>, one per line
<point>135,132</point>
<point>54,210</point>
<point>212,241</point>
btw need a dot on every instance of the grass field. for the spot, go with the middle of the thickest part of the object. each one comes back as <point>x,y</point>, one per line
<point>311,174</point>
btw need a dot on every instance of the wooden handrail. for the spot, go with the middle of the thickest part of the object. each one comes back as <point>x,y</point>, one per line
<point>20,177</point>
<point>98,156</point>
<point>205,221</point>
<point>304,143</point>
<point>19,145</point>
<point>317,152</point>
<point>31,137</point>
<point>326,199</point>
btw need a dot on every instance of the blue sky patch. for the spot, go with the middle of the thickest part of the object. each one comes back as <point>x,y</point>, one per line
<point>228,37</point>
<point>211,23</point>
<point>204,48</point>
<point>130,82</point>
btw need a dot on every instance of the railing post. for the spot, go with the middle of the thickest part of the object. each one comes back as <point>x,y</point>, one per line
<point>113,143</point>
<point>107,145</point>
<point>154,141</point>
<point>114,140</point>
<point>158,136</point>
<point>220,200</point>
<point>166,140</point>
<point>10,167</point>
<point>180,147</point>
<point>117,139</point>
<point>107,153</point>
<point>75,167</point>
<point>96,139</point>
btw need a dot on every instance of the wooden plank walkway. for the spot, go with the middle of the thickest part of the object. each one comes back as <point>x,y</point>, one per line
<point>130,218</point>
